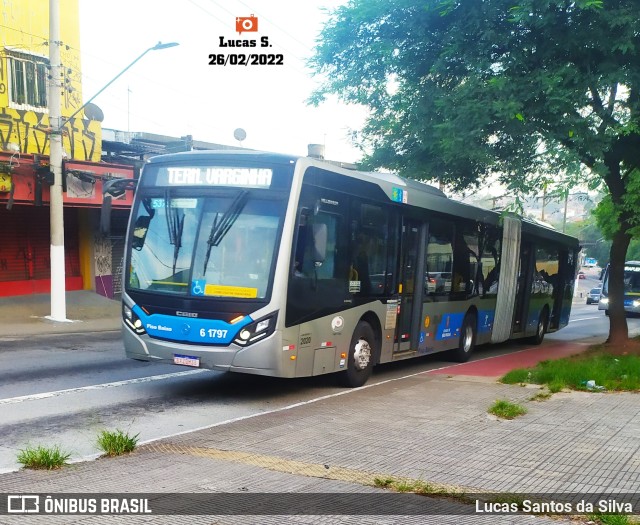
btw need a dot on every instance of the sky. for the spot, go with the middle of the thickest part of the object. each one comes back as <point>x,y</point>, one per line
<point>176,91</point>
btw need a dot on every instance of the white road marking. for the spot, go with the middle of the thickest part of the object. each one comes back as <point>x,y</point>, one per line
<point>584,319</point>
<point>56,393</point>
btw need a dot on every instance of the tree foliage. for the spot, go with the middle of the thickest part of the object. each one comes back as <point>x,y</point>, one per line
<point>462,90</point>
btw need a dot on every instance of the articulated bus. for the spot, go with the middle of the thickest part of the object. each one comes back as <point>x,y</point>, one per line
<point>631,289</point>
<point>276,265</point>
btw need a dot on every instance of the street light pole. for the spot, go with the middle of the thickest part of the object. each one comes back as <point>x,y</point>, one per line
<point>56,221</point>
<point>57,123</point>
<point>159,45</point>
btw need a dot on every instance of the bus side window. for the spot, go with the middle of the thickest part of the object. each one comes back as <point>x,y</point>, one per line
<point>315,253</point>
<point>369,250</point>
<point>301,242</point>
<point>439,258</point>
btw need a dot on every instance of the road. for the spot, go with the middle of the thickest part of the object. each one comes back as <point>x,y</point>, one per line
<point>63,390</point>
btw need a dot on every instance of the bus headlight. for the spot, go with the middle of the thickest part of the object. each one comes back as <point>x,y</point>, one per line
<point>257,330</point>
<point>604,300</point>
<point>636,304</point>
<point>132,320</point>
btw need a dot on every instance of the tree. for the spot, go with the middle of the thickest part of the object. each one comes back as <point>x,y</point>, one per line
<point>459,91</point>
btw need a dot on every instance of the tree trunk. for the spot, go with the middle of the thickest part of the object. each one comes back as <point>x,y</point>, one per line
<point>618,329</point>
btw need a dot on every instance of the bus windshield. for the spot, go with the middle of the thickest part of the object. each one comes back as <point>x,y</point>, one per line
<point>221,245</point>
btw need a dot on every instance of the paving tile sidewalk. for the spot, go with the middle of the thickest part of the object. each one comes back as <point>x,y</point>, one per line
<point>424,427</point>
<point>86,311</point>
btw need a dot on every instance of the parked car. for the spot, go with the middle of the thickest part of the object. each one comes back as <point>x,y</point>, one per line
<point>594,295</point>
<point>438,282</point>
<point>581,275</point>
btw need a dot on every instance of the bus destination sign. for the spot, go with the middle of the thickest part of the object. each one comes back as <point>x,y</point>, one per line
<point>241,177</point>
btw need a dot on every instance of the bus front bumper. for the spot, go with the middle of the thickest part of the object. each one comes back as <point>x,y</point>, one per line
<point>232,358</point>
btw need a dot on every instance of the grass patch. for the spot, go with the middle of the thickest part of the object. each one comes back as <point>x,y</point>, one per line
<point>42,458</point>
<point>611,519</point>
<point>541,396</point>
<point>506,410</point>
<point>611,372</point>
<point>117,443</point>
<point>420,487</point>
<point>383,482</point>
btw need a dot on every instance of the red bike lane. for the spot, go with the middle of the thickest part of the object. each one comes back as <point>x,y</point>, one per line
<point>500,365</point>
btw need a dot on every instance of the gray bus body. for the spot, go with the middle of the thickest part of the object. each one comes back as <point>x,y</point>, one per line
<point>283,266</point>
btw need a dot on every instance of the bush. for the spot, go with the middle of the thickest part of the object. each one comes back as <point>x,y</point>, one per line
<point>43,458</point>
<point>116,443</point>
<point>506,410</point>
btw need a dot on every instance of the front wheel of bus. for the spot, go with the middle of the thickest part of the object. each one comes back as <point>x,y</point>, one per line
<point>467,340</point>
<point>361,356</point>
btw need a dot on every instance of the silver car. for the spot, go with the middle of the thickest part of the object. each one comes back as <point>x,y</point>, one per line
<point>594,295</point>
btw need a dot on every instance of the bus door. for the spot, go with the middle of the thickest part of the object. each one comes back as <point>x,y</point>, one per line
<point>412,270</point>
<point>523,290</point>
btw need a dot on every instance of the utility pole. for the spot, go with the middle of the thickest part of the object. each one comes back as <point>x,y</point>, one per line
<point>58,278</point>
<point>56,122</point>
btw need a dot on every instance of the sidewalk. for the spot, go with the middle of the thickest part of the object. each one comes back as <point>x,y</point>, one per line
<point>430,427</point>
<point>424,428</point>
<point>87,311</point>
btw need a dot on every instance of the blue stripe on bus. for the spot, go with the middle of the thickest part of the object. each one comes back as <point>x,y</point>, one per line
<point>449,326</point>
<point>485,321</point>
<point>190,330</point>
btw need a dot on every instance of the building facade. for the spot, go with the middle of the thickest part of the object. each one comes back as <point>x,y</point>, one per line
<point>92,261</point>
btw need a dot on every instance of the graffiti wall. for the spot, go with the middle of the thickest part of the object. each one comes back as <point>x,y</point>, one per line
<point>24,119</point>
<point>81,140</point>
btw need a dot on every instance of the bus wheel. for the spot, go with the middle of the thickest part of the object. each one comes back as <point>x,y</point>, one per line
<point>467,340</point>
<point>360,358</point>
<point>541,329</point>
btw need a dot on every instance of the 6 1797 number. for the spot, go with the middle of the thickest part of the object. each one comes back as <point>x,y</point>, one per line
<point>212,333</point>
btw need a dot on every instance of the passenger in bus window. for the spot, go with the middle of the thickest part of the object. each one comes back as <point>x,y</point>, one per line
<point>360,265</point>
<point>491,282</point>
<point>461,266</point>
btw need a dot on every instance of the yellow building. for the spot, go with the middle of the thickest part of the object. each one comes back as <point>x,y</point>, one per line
<point>24,70</point>
<point>92,262</point>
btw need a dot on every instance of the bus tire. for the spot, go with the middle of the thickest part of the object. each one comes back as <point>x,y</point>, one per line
<point>541,328</point>
<point>362,351</point>
<point>467,339</point>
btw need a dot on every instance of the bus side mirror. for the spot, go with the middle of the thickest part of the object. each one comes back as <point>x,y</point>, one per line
<point>319,243</point>
<point>105,216</point>
<point>140,229</point>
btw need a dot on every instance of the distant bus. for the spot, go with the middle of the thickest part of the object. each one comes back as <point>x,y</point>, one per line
<point>590,262</point>
<point>631,288</point>
<point>283,266</point>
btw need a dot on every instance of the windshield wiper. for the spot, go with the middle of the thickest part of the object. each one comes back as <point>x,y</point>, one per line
<point>175,225</point>
<point>222,224</point>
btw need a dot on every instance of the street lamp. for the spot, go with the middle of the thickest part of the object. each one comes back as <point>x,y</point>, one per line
<point>58,288</point>
<point>158,46</point>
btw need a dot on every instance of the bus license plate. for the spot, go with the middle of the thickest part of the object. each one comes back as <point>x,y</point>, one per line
<point>187,360</point>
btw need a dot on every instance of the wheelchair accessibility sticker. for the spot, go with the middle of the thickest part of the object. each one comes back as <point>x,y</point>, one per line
<point>198,286</point>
